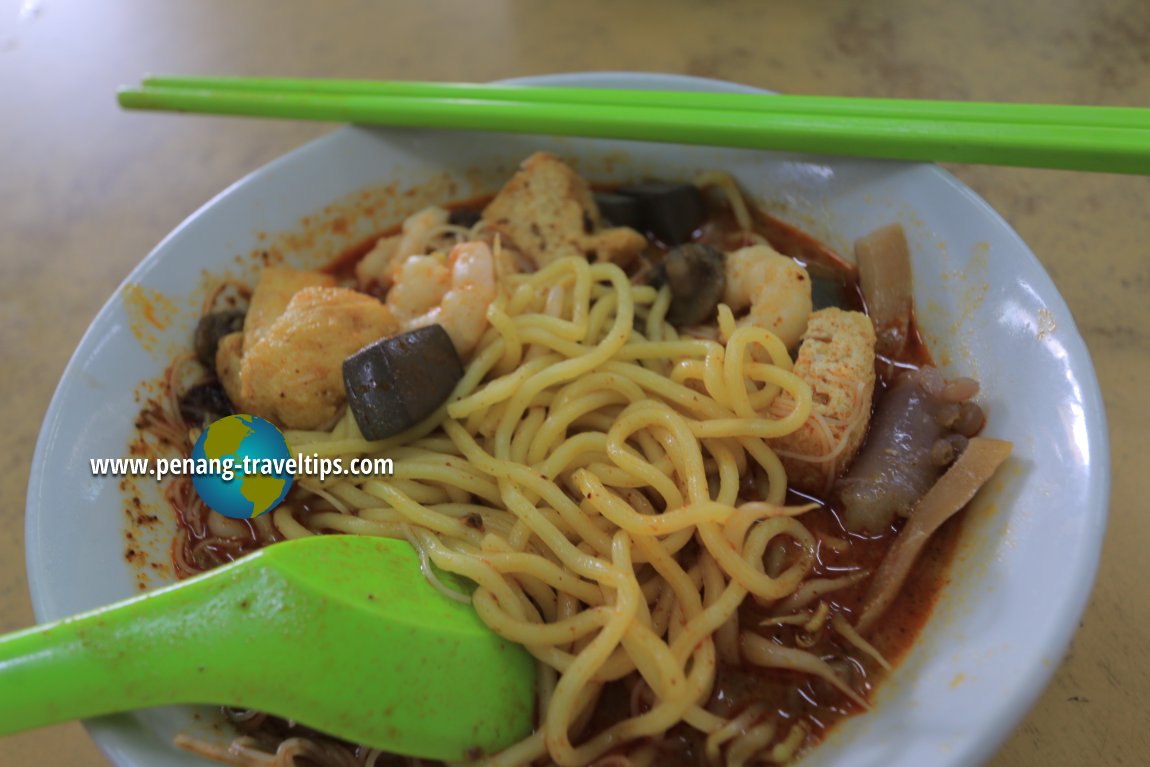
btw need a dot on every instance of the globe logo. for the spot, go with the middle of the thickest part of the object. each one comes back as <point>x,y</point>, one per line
<point>249,460</point>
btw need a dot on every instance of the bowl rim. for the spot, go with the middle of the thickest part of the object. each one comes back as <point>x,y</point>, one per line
<point>1037,672</point>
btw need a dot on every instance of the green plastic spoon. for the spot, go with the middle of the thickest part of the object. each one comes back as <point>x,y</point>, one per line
<point>341,633</point>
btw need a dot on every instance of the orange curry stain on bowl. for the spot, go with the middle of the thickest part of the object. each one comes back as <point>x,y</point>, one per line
<point>149,312</point>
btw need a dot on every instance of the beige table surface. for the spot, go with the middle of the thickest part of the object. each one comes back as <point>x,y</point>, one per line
<point>86,191</point>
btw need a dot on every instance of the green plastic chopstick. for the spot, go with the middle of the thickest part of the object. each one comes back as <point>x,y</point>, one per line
<point>1067,137</point>
<point>1038,114</point>
<point>341,633</point>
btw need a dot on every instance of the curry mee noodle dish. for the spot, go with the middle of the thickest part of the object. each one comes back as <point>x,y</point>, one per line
<point>702,468</point>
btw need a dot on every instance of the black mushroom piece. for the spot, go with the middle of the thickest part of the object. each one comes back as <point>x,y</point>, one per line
<point>205,404</point>
<point>670,212</point>
<point>620,209</point>
<point>212,327</point>
<point>920,427</point>
<point>696,276</point>
<point>826,292</point>
<point>465,217</point>
<point>395,383</point>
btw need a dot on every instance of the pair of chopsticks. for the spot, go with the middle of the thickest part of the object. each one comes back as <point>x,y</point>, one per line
<point>1106,139</point>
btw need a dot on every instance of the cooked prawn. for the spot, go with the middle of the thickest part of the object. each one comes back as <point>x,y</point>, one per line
<point>775,288</point>
<point>454,293</point>
<point>379,265</point>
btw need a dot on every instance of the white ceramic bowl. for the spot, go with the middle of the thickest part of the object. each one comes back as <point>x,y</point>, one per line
<point>1029,551</point>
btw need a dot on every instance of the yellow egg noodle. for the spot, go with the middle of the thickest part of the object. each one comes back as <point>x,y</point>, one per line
<point>586,448</point>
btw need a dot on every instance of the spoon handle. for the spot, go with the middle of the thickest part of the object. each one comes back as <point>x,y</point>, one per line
<point>340,633</point>
<point>174,645</point>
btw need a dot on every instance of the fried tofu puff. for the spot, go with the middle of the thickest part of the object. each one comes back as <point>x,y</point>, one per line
<point>547,211</point>
<point>837,360</point>
<point>292,374</point>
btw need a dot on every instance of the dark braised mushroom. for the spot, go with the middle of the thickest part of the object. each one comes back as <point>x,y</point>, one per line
<point>619,209</point>
<point>395,383</point>
<point>211,328</point>
<point>205,404</point>
<point>467,217</point>
<point>697,278</point>
<point>826,292</point>
<point>671,212</point>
